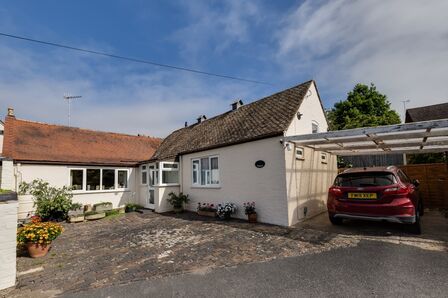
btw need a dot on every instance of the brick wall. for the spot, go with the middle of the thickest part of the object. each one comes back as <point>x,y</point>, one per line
<point>8,228</point>
<point>433,183</point>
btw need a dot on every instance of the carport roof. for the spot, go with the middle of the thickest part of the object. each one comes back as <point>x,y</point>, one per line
<point>416,137</point>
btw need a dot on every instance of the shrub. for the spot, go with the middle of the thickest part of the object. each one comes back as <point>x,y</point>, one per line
<point>52,203</point>
<point>177,201</point>
<point>39,232</point>
<point>249,208</point>
<point>225,210</point>
<point>132,207</point>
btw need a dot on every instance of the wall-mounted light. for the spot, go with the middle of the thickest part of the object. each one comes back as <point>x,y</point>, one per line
<point>299,115</point>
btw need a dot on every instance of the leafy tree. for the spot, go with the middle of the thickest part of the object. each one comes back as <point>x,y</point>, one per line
<point>364,107</point>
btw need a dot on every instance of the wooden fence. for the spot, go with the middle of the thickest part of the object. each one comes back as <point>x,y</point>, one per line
<point>433,183</point>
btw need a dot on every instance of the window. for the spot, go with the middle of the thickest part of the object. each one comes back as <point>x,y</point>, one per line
<point>99,179</point>
<point>365,179</point>
<point>93,179</point>
<point>195,174</point>
<point>77,179</point>
<point>314,127</point>
<point>144,175</point>
<point>403,177</point>
<point>170,173</point>
<point>205,171</point>
<point>122,179</point>
<point>323,157</point>
<point>108,179</point>
<point>300,153</point>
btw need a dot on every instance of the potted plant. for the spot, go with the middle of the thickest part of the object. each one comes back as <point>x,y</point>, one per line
<point>225,210</point>
<point>37,236</point>
<point>131,207</point>
<point>178,201</point>
<point>206,209</point>
<point>249,210</point>
<point>76,213</point>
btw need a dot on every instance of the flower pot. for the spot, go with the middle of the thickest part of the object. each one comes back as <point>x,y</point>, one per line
<point>37,250</point>
<point>252,217</point>
<point>95,216</point>
<point>178,209</point>
<point>76,218</point>
<point>207,213</point>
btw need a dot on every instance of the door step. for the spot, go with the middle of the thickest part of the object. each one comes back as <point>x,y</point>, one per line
<point>144,211</point>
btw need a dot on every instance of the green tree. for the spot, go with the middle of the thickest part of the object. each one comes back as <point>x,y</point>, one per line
<point>364,107</point>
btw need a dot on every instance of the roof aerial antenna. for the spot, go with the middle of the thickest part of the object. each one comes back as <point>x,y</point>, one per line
<point>69,98</point>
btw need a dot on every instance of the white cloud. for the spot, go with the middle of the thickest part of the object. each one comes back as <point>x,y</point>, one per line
<point>400,45</point>
<point>133,100</point>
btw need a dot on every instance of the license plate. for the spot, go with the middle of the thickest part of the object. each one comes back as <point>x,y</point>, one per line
<point>362,195</point>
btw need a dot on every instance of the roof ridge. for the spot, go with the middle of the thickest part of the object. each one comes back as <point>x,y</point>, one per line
<point>85,129</point>
<point>421,107</point>
<point>244,106</point>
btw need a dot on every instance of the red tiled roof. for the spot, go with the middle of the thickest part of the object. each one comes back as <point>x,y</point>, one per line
<point>35,142</point>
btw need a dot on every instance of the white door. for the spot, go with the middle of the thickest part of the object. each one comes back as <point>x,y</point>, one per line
<point>153,180</point>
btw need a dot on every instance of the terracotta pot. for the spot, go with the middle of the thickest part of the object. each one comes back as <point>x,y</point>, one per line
<point>252,217</point>
<point>37,250</point>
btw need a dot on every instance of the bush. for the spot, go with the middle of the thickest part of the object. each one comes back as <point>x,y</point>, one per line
<point>52,203</point>
<point>177,201</point>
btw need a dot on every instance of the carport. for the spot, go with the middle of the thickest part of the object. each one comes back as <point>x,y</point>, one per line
<point>416,137</point>
<point>409,138</point>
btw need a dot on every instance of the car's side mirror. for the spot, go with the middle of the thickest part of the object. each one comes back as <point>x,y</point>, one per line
<point>416,182</point>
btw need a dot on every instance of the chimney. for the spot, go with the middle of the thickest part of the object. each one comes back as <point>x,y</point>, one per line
<point>237,104</point>
<point>11,112</point>
<point>186,124</point>
<point>201,118</point>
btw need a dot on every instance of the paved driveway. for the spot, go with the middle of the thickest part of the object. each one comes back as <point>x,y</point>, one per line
<point>138,253</point>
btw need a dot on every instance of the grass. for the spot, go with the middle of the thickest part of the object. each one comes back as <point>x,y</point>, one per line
<point>112,216</point>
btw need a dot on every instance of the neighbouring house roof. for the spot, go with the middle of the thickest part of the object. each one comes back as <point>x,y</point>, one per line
<point>34,142</point>
<point>267,117</point>
<point>426,113</point>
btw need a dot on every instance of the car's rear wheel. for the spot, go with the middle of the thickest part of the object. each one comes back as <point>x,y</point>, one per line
<point>335,220</point>
<point>416,228</point>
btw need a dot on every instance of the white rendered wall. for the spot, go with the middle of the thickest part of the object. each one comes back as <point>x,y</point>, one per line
<point>8,230</point>
<point>241,181</point>
<point>59,175</point>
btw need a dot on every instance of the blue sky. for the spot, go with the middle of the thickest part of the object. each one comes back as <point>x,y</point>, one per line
<point>401,46</point>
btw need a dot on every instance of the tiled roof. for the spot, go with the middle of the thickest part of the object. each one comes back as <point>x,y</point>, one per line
<point>434,112</point>
<point>35,142</point>
<point>264,118</point>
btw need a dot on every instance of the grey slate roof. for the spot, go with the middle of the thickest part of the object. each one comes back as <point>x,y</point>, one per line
<point>426,113</point>
<point>264,118</point>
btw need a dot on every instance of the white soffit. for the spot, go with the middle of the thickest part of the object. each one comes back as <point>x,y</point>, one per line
<point>417,137</point>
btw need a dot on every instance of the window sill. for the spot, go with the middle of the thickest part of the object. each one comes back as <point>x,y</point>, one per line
<point>206,186</point>
<point>80,192</point>
<point>167,185</point>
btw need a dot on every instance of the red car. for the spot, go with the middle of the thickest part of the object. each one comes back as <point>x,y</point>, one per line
<point>377,193</point>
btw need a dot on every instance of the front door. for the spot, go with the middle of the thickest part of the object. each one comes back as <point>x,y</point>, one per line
<point>153,180</point>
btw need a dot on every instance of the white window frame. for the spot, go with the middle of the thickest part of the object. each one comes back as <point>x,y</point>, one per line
<point>314,122</point>
<point>324,157</point>
<point>84,179</point>
<point>146,173</point>
<point>172,169</point>
<point>302,155</point>
<point>206,185</point>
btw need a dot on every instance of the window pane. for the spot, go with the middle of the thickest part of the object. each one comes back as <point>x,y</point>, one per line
<point>215,170</point>
<point>108,179</point>
<point>365,179</point>
<point>205,176</point>
<point>76,179</point>
<point>93,179</point>
<point>170,165</point>
<point>195,171</point>
<point>122,179</point>
<point>144,177</point>
<point>170,177</point>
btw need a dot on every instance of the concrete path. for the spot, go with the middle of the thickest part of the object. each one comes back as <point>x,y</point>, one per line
<point>372,269</point>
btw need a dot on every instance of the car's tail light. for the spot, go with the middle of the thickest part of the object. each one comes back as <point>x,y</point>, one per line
<point>396,191</point>
<point>335,191</point>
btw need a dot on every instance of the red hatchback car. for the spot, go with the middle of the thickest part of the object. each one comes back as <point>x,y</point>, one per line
<point>377,193</point>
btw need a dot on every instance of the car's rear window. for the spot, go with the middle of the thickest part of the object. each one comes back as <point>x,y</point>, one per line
<point>365,179</point>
